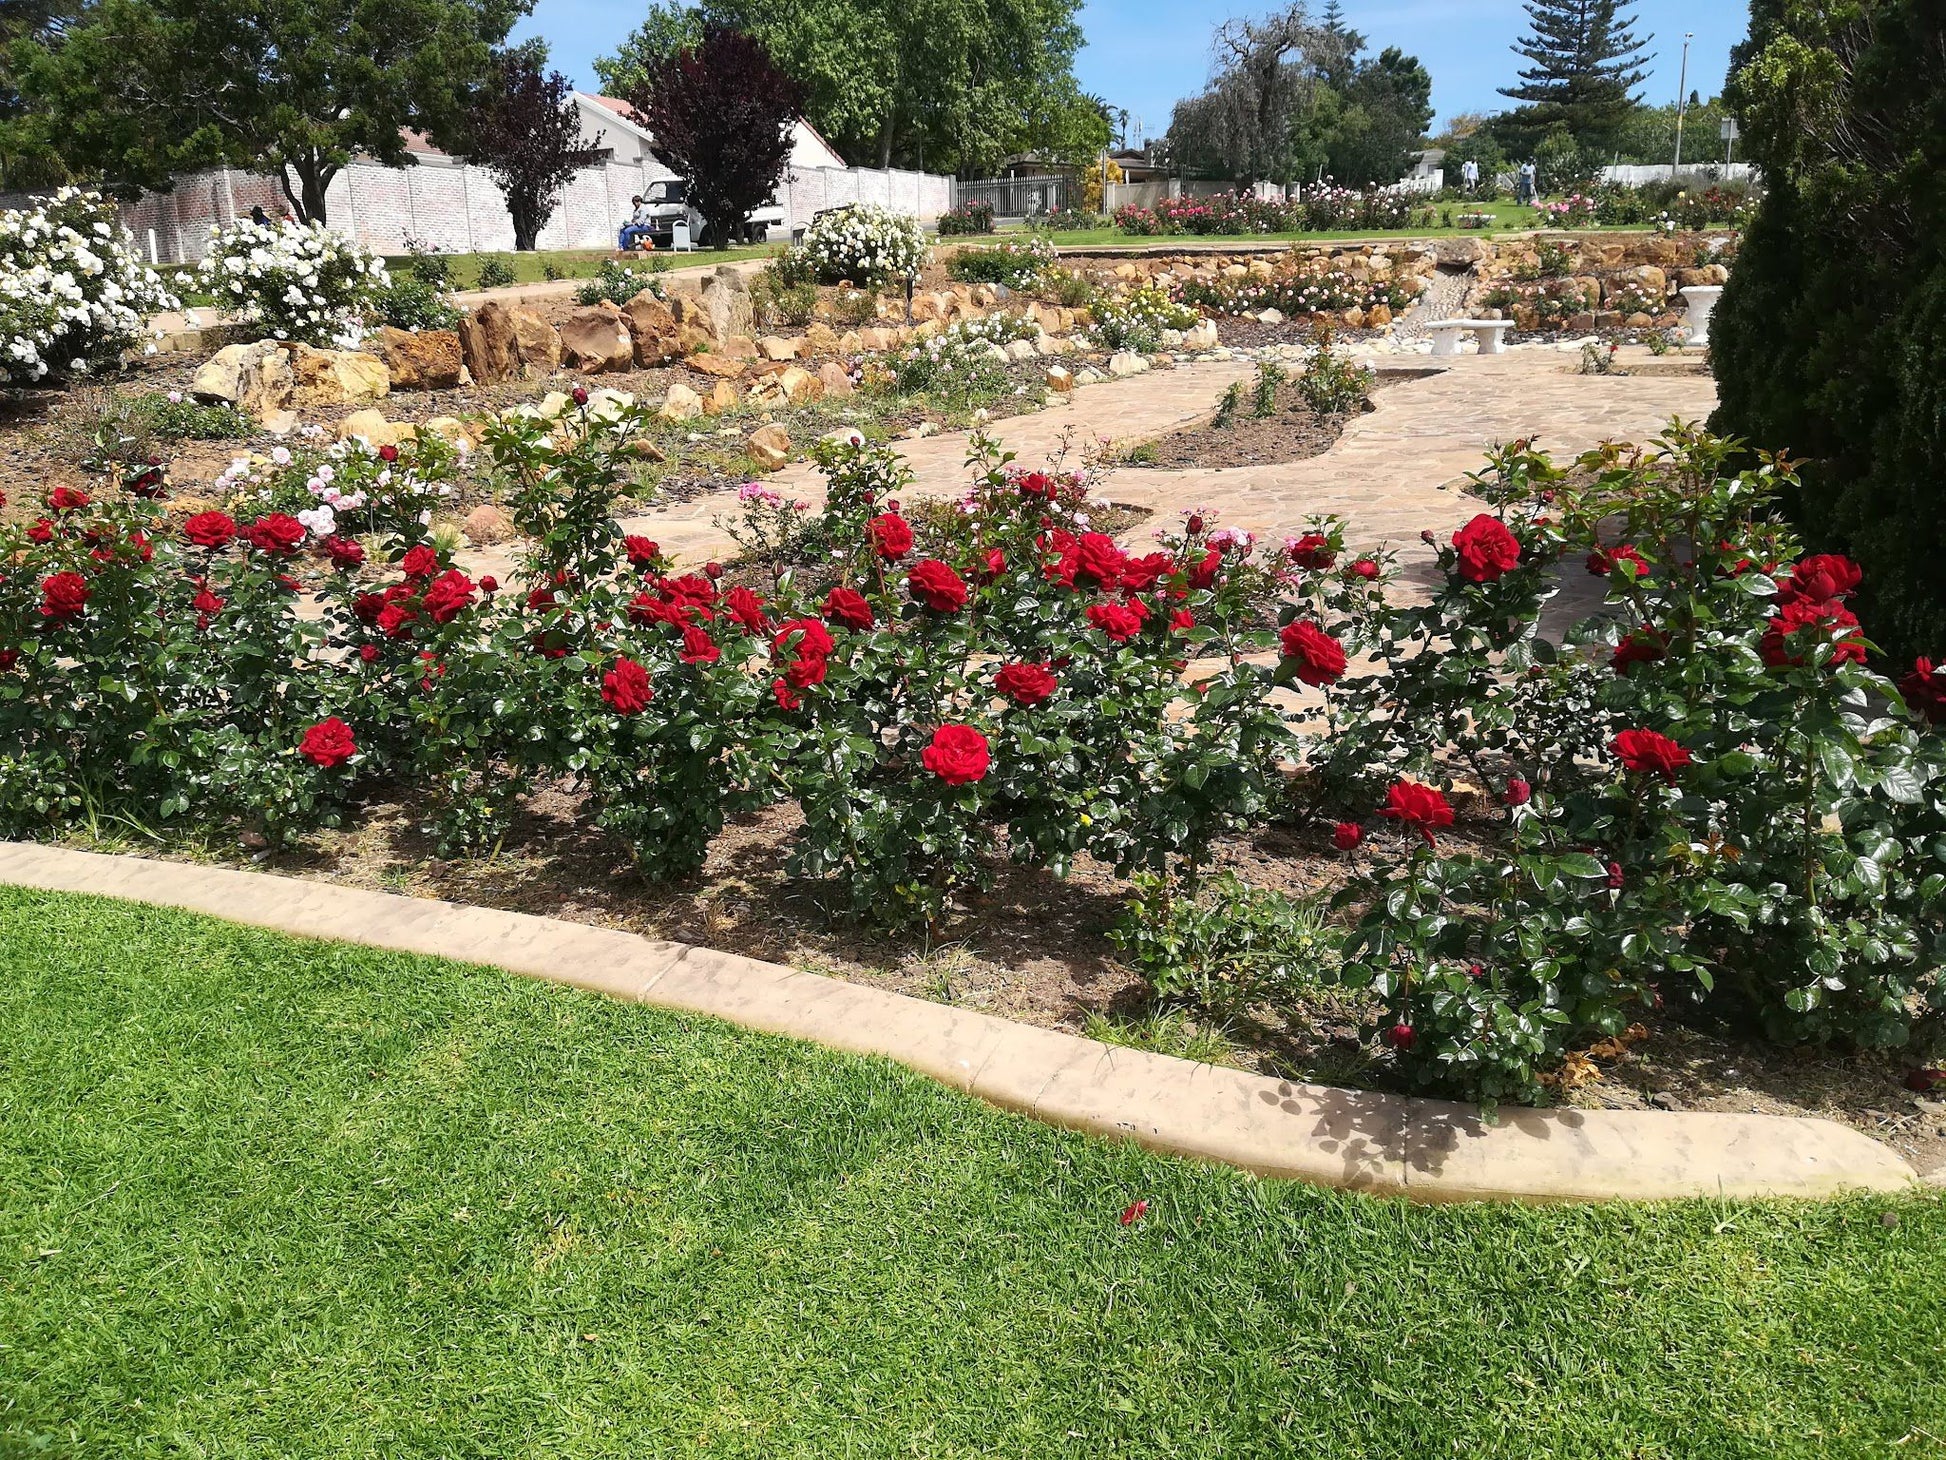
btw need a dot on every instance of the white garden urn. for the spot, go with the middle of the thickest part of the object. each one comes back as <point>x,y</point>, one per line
<point>1700,300</point>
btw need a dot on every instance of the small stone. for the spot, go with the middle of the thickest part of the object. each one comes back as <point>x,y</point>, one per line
<point>769,447</point>
<point>681,403</point>
<point>724,397</point>
<point>1059,379</point>
<point>1127,363</point>
<point>486,525</point>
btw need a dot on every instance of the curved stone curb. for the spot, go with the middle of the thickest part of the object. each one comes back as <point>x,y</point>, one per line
<point>1427,1150</point>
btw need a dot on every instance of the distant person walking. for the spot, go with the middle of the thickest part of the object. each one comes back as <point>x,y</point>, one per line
<point>1470,175</point>
<point>1529,182</point>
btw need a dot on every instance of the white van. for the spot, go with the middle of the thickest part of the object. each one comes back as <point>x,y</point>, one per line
<point>668,204</point>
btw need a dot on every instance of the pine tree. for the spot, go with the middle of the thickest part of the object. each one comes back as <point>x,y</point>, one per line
<point>1339,55</point>
<point>1587,64</point>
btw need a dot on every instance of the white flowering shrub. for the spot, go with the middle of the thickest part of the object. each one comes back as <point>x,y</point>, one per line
<point>865,244</point>
<point>954,367</point>
<point>1136,320</point>
<point>300,281</point>
<point>73,292</point>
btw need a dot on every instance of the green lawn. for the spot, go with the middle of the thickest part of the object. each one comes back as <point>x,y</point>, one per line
<point>260,1197</point>
<point>1509,217</point>
<point>531,268</point>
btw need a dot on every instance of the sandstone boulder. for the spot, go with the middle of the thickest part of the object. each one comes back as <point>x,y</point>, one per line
<point>254,378</point>
<point>336,377</point>
<point>486,525</point>
<point>536,346</point>
<point>721,366</point>
<point>723,397</point>
<point>726,302</point>
<point>821,339</point>
<point>769,447</point>
<point>1059,379</point>
<point>800,386</point>
<point>775,347</point>
<point>420,359</point>
<point>681,404</point>
<point>1127,363</point>
<point>595,338</point>
<point>653,328</point>
<point>488,343</point>
<point>837,383</point>
<point>372,425</point>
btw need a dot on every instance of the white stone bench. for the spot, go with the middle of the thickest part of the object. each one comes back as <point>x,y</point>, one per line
<point>1446,334</point>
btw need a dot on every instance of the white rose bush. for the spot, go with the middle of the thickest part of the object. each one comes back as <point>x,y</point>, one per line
<point>301,281</point>
<point>866,243</point>
<point>74,295</point>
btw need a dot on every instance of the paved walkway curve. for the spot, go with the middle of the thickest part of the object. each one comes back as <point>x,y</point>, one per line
<point>1392,473</point>
<point>1426,1150</point>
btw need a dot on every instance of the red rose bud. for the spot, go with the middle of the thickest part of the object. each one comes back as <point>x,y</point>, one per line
<point>388,453</point>
<point>1519,793</point>
<point>1427,536</point>
<point>1346,835</point>
<point>1134,1212</point>
<point>581,395</point>
<point>1614,876</point>
<point>1400,1036</point>
<point>1195,523</point>
<point>489,584</point>
<point>713,570</point>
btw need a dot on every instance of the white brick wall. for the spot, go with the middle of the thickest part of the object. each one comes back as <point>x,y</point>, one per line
<point>460,209</point>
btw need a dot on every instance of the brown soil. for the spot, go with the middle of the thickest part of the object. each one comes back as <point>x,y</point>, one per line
<point>1035,949</point>
<point>1291,432</point>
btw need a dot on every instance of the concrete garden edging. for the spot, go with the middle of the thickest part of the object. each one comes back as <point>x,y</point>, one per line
<point>1427,1150</point>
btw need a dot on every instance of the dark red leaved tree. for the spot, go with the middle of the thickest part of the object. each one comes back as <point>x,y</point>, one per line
<point>721,113</point>
<point>526,131</point>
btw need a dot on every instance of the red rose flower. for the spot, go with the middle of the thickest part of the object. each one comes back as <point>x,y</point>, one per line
<point>210,530</point>
<point>1925,691</point>
<point>345,554</point>
<point>1518,792</point>
<point>1182,620</point>
<point>1117,620</point>
<point>1648,753</point>
<point>1098,557</point>
<point>698,647</point>
<point>1487,550</point>
<point>275,533</point>
<point>1139,575</point>
<point>806,670</point>
<point>328,743</point>
<point>1320,659</point>
<point>489,583</point>
<point>1642,646</point>
<point>745,608</point>
<point>891,535</point>
<point>1417,806</point>
<point>1025,684</point>
<point>1819,579</point>
<point>67,499</point>
<point>8,657</point>
<point>1346,836</point>
<point>1401,1036</point>
<point>395,617</point>
<point>848,607</point>
<point>958,755</point>
<point>1203,575</point>
<point>626,687</point>
<point>1312,552</point>
<point>937,586</point>
<point>804,638</point>
<point>1811,617</point>
<point>994,564</point>
<point>419,561</point>
<point>63,596</point>
<point>388,453</point>
<point>1365,568</point>
<point>368,652</point>
<point>1602,562</point>
<point>642,551</point>
<point>42,531</point>
<point>447,595</point>
<point>207,606</point>
<point>785,696</point>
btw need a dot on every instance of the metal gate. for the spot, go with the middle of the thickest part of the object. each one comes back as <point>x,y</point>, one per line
<point>1019,197</point>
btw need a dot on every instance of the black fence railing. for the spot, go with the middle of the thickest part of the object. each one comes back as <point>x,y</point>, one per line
<point>1019,197</point>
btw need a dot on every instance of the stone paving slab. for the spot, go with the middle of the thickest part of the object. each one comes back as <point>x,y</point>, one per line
<point>1364,1140</point>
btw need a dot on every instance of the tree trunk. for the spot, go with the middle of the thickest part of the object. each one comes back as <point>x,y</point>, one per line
<point>314,175</point>
<point>527,222</point>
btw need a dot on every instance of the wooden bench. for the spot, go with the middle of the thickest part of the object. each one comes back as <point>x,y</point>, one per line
<point>1446,334</point>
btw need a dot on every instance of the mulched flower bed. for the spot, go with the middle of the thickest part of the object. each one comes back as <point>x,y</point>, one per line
<point>1036,950</point>
<point>1292,432</point>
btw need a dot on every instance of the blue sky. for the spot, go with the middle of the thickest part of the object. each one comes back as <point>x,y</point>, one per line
<point>1146,55</point>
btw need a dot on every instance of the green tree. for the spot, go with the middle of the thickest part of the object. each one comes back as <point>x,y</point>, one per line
<point>1828,339</point>
<point>1586,64</point>
<point>952,85</point>
<point>525,129</point>
<point>1388,103</point>
<point>140,90</point>
<point>665,30</point>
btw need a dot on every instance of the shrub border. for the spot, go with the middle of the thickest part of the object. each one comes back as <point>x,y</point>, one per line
<point>1425,1150</point>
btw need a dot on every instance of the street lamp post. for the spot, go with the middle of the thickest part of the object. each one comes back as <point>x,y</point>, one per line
<point>1682,100</point>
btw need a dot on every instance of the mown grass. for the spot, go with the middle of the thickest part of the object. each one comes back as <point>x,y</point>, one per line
<point>262,1197</point>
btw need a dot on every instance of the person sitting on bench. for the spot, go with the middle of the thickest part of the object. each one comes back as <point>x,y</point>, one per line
<point>637,225</point>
